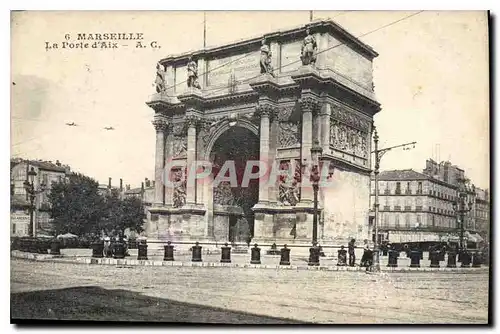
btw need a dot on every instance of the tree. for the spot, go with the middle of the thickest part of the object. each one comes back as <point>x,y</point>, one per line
<point>76,205</point>
<point>122,214</point>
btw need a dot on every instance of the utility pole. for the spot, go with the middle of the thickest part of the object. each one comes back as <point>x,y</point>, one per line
<point>310,16</point>
<point>379,153</point>
<point>204,29</point>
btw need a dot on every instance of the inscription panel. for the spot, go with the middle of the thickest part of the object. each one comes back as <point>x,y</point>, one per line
<point>290,56</point>
<point>347,62</point>
<point>243,66</point>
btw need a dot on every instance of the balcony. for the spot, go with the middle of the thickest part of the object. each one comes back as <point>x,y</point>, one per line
<point>407,207</point>
<point>397,208</point>
<point>387,208</point>
<point>418,208</point>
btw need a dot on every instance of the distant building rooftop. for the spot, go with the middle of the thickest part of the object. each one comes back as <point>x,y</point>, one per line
<point>402,174</point>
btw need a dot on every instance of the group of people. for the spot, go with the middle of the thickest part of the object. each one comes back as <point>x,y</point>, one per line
<point>110,243</point>
<point>366,259</point>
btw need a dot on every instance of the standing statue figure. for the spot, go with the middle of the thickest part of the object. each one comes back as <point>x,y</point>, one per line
<point>192,69</point>
<point>265,59</point>
<point>308,50</point>
<point>160,78</point>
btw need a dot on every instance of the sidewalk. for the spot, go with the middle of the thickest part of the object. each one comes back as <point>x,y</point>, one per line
<point>238,261</point>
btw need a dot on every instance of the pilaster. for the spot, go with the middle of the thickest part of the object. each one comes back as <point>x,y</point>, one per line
<point>160,123</point>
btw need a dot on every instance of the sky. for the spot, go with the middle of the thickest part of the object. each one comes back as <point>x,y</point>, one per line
<point>431,78</point>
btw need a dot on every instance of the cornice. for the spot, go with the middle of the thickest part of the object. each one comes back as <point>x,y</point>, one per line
<point>252,44</point>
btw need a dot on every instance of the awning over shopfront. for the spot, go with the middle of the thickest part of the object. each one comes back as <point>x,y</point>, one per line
<point>417,236</point>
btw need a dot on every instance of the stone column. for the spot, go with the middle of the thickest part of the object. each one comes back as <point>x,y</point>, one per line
<point>273,144</point>
<point>308,105</point>
<point>191,122</point>
<point>264,110</point>
<point>324,116</point>
<point>160,123</point>
<point>169,152</point>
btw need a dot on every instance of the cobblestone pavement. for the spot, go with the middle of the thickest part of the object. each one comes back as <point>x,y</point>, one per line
<point>309,296</point>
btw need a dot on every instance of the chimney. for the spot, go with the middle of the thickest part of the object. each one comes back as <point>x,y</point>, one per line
<point>147,182</point>
<point>127,187</point>
<point>142,186</point>
<point>121,185</point>
<point>109,183</point>
<point>58,163</point>
<point>153,183</point>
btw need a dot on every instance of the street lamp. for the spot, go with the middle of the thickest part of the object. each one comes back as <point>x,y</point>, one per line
<point>461,208</point>
<point>29,185</point>
<point>315,176</point>
<point>379,153</point>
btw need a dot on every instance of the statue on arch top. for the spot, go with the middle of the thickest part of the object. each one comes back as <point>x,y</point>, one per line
<point>309,49</point>
<point>192,69</point>
<point>265,59</point>
<point>160,78</point>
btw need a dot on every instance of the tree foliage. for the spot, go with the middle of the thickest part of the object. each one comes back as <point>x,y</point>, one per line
<point>78,207</point>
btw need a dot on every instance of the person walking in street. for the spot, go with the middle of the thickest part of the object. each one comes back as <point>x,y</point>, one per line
<point>342,256</point>
<point>352,256</point>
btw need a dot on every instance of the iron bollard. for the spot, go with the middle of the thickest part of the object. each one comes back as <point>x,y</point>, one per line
<point>225,254</point>
<point>285,256</point>
<point>415,257</point>
<point>434,257</point>
<point>255,255</point>
<point>477,260</point>
<point>465,258</point>
<point>169,252</point>
<point>142,250</point>
<point>314,253</point>
<point>392,261</point>
<point>452,260</point>
<point>196,249</point>
<point>98,249</point>
<point>119,248</point>
<point>55,247</point>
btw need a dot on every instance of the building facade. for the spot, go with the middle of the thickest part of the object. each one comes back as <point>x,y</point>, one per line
<point>46,173</point>
<point>267,99</point>
<point>482,213</point>
<point>421,206</point>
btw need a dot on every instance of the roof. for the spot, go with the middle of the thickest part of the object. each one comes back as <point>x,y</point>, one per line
<point>44,165</point>
<point>133,191</point>
<point>402,174</point>
<point>328,25</point>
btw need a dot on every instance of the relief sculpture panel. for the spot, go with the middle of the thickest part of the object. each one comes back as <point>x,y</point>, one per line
<point>348,139</point>
<point>288,135</point>
<point>289,184</point>
<point>179,195</point>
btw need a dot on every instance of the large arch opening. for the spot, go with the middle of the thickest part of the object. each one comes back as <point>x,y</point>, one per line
<point>236,145</point>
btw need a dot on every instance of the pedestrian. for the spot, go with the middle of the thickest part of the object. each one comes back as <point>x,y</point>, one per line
<point>342,256</point>
<point>364,258</point>
<point>107,246</point>
<point>352,256</point>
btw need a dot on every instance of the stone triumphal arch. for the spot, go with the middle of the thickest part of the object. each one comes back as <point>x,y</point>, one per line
<point>268,99</point>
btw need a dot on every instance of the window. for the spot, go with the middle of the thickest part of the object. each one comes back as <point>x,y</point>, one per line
<point>419,188</point>
<point>386,219</point>
<point>45,179</point>
<point>419,220</point>
<point>408,188</point>
<point>397,220</point>
<point>433,221</point>
<point>398,188</point>
<point>13,228</point>
<point>407,220</point>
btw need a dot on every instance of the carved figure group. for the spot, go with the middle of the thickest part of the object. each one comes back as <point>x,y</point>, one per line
<point>179,195</point>
<point>308,50</point>
<point>348,139</point>
<point>192,69</point>
<point>265,59</point>
<point>288,189</point>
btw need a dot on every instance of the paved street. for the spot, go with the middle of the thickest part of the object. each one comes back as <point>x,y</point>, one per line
<point>235,295</point>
